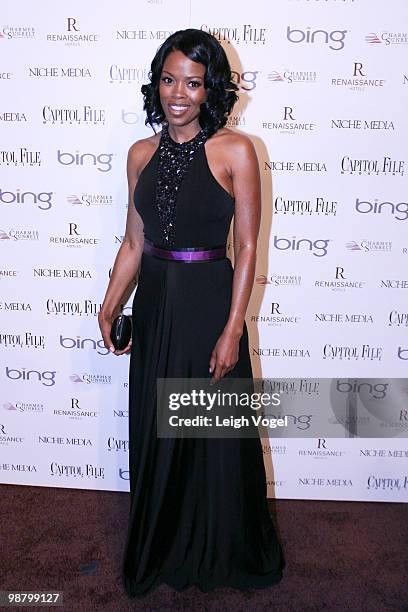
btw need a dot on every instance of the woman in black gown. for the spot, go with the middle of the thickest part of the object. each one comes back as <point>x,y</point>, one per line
<point>198,512</point>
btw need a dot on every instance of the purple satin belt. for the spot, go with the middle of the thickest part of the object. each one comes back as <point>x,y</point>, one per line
<point>187,254</point>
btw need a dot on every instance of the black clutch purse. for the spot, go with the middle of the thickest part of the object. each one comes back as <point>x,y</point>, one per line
<point>121,331</point>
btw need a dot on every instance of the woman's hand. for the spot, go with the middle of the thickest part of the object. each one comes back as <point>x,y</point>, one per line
<point>225,354</point>
<point>105,325</point>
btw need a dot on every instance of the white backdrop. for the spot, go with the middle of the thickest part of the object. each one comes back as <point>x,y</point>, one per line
<point>323,97</point>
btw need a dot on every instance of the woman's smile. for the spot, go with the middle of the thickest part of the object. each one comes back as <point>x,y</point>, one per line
<point>182,93</point>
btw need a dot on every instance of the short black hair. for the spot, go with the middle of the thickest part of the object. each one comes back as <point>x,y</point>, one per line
<point>202,47</point>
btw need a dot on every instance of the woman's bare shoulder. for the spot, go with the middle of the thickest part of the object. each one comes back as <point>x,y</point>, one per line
<point>236,149</point>
<point>231,142</point>
<point>141,151</point>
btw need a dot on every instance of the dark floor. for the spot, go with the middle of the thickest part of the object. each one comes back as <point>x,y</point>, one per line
<point>339,555</point>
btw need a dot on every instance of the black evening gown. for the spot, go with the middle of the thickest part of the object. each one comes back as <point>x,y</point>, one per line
<point>198,513</point>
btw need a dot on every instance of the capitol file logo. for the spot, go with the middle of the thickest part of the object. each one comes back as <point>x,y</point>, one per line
<point>116,444</point>
<point>128,74</point>
<point>20,157</point>
<point>345,352</point>
<point>398,319</point>
<point>86,114</point>
<point>85,307</point>
<point>22,340</point>
<point>318,206</point>
<point>77,471</point>
<point>246,34</point>
<point>386,166</point>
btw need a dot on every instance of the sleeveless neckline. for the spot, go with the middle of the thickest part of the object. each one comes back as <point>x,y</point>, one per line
<point>202,135</point>
<point>173,164</point>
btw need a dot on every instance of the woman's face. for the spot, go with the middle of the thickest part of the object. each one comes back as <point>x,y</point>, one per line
<point>181,89</point>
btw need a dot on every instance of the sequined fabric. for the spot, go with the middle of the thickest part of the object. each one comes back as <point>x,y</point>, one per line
<point>174,161</point>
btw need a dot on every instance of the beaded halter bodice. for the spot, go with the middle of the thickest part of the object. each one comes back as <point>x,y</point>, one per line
<point>174,160</point>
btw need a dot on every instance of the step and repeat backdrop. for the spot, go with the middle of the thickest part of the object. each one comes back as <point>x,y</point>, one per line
<point>323,95</point>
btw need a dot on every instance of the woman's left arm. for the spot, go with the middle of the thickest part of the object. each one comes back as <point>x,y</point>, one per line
<point>247,218</point>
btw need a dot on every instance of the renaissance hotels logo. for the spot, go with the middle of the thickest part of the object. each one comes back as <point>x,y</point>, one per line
<point>318,247</point>
<point>359,80</point>
<point>73,36</point>
<point>334,39</point>
<point>74,238</point>
<point>290,124</point>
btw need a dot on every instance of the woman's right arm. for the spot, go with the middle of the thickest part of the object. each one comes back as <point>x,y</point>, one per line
<point>127,261</point>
